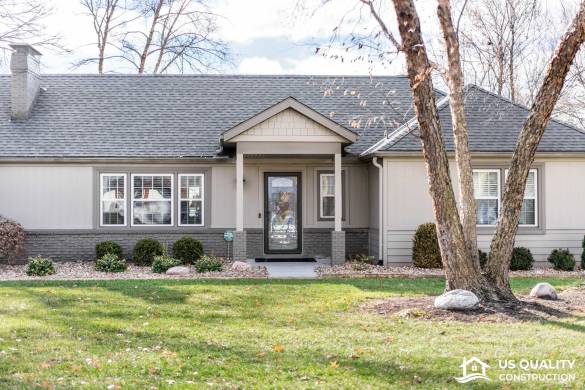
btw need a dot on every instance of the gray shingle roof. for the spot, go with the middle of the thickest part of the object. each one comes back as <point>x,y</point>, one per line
<point>128,116</point>
<point>494,124</point>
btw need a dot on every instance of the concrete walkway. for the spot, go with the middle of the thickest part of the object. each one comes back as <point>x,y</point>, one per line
<point>290,270</point>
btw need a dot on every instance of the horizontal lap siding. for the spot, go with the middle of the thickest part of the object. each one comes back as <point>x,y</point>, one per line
<point>562,215</point>
<point>399,244</point>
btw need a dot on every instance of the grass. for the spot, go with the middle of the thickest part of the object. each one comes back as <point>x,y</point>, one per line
<point>255,334</point>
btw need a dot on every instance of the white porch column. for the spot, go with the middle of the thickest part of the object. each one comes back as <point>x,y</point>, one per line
<point>338,235</point>
<point>239,192</point>
<point>338,193</point>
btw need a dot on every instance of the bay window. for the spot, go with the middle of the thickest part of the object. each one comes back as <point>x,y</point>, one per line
<point>152,200</point>
<point>191,189</point>
<point>113,199</point>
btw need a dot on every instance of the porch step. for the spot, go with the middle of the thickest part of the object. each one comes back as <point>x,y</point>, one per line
<point>285,260</point>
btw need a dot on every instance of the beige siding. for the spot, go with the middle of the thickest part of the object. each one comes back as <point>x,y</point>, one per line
<point>223,208</point>
<point>59,197</point>
<point>406,193</point>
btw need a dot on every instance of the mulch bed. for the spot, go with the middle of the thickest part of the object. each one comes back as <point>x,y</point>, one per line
<point>348,270</point>
<point>84,270</point>
<point>571,303</point>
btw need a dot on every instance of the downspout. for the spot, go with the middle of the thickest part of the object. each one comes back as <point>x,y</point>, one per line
<point>380,207</point>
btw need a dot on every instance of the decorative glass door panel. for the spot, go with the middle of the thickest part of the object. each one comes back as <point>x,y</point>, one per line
<point>282,213</point>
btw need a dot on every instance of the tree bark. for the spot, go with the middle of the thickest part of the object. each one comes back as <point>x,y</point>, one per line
<point>146,49</point>
<point>530,136</point>
<point>462,155</point>
<point>460,271</point>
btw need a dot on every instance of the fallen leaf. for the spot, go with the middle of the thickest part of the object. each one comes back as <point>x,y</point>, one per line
<point>334,364</point>
<point>278,348</point>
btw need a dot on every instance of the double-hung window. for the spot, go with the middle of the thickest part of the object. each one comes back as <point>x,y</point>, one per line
<point>152,199</point>
<point>486,187</point>
<point>191,189</point>
<point>529,211</point>
<point>327,195</point>
<point>113,199</point>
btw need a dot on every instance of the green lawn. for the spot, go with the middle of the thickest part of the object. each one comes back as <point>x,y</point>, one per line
<point>255,334</point>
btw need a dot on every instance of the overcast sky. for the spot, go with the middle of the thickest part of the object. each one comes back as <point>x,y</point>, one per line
<point>265,36</point>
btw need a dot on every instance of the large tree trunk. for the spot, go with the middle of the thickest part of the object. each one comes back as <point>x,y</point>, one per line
<point>532,131</point>
<point>460,271</point>
<point>462,155</point>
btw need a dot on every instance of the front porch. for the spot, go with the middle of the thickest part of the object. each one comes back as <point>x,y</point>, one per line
<point>290,132</point>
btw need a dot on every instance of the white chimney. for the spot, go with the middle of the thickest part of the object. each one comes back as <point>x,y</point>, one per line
<point>26,79</point>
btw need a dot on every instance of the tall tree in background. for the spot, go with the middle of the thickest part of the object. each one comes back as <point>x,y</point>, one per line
<point>497,39</point>
<point>107,17</point>
<point>157,36</point>
<point>24,21</point>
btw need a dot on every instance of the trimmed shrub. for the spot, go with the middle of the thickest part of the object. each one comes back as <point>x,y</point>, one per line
<point>425,247</point>
<point>12,238</point>
<point>562,259</point>
<point>105,247</point>
<point>187,249</point>
<point>39,266</point>
<point>583,254</point>
<point>522,259</point>
<point>110,263</point>
<point>145,250</point>
<point>483,258</point>
<point>162,263</point>
<point>208,264</point>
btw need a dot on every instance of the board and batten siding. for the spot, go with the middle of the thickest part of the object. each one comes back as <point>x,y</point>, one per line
<point>562,206</point>
<point>48,197</point>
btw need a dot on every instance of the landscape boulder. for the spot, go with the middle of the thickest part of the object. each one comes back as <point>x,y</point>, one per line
<point>240,266</point>
<point>457,300</point>
<point>179,270</point>
<point>544,291</point>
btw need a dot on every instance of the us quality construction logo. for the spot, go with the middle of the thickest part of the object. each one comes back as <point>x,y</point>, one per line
<point>518,370</point>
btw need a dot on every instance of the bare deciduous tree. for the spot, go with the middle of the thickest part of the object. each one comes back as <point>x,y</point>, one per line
<point>497,39</point>
<point>23,21</point>
<point>156,36</point>
<point>461,267</point>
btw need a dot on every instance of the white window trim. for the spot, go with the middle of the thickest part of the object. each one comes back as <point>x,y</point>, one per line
<point>536,216</point>
<point>172,200</point>
<point>491,197</point>
<point>322,196</point>
<point>202,199</point>
<point>125,199</point>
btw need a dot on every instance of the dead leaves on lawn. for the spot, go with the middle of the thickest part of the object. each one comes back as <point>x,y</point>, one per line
<point>278,348</point>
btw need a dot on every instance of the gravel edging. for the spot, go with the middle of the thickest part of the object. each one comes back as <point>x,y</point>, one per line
<point>376,271</point>
<point>84,270</point>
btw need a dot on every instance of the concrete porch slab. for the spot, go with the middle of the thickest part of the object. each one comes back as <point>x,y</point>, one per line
<point>291,270</point>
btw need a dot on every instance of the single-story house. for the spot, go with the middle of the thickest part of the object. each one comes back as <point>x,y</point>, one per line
<point>87,158</point>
